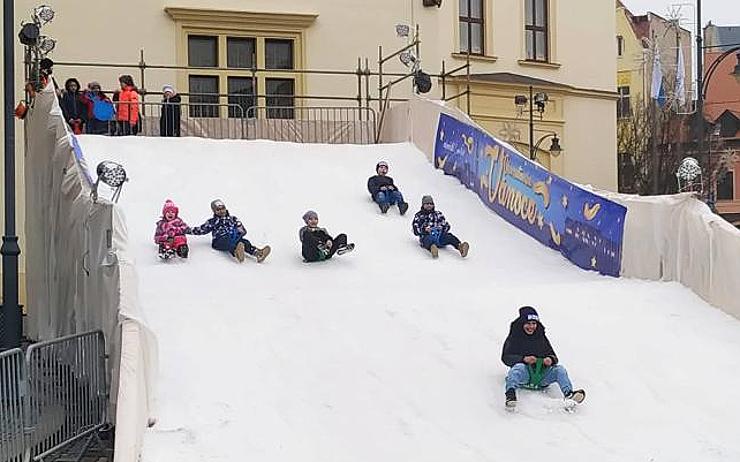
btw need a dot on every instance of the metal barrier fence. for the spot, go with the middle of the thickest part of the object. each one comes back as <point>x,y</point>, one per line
<point>301,124</point>
<point>205,120</point>
<point>312,124</point>
<point>12,390</point>
<point>67,394</point>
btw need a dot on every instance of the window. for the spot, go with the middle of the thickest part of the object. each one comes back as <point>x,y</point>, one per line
<point>471,26</point>
<point>726,187</point>
<point>624,107</point>
<point>620,45</point>
<point>278,54</point>
<point>203,89</point>
<point>240,53</point>
<point>280,93</point>
<point>536,30</point>
<point>240,86</point>
<point>202,51</point>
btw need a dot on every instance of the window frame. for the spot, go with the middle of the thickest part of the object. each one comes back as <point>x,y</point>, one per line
<point>730,172</point>
<point>620,46</point>
<point>534,29</point>
<point>622,99</point>
<point>468,21</point>
<point>259,32</point>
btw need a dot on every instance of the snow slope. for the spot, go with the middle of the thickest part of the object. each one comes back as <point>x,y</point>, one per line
<point>386,354</point>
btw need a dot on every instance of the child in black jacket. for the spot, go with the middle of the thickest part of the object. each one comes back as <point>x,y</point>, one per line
<point>317,243</point>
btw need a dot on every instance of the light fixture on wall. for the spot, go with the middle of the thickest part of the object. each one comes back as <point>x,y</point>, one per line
<point>437,3</point>
<point>43,14</point>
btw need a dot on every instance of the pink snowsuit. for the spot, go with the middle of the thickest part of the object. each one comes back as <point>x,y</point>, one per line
<point>170,233</point>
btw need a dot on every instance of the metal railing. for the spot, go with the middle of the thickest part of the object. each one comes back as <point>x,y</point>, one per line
<point>312,124</point>
<point>12,391</point>
<point>67,393</point>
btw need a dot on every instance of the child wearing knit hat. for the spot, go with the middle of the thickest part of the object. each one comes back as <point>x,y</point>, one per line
<point>433,230</point>
<point>317,244</point>
<point>170,233</point>
<point>383,191</point>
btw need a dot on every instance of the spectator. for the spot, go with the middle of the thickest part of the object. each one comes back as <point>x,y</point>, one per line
<point>128,107</point>
<point>169,120</point>
<point>73,106</point>
<point>100,110</point>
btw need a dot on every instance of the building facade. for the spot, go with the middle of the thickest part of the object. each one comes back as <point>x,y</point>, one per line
<point>722,109</point>
<point>239,52</point>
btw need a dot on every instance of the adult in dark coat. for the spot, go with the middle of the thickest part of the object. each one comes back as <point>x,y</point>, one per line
<point>532,360</point>
<point>383,191</point>
<point>73,106</point>
<point>169,120</point>
<point>317,244</point>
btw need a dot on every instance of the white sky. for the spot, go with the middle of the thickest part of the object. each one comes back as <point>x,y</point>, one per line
<point>720,12</point>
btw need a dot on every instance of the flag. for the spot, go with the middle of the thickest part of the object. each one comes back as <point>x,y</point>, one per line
<point>680,78</point>
<point>657,92</point>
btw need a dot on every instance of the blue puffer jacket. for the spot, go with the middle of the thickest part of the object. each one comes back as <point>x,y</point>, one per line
<point>220,226</point>
<point>432,219</point>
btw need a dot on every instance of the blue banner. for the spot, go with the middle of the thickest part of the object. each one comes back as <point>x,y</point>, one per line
<point>586,228</point>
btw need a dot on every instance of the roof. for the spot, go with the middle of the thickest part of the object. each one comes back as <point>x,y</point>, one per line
<point>727,36</point>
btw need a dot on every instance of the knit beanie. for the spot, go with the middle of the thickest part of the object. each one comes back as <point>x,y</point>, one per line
<point>382,163</point>
<point>427,200</point>
<point>168,88</point>
<point>169,206</point>
<point>216,204</point>
<point>310,214</point>
<point>527,313</point>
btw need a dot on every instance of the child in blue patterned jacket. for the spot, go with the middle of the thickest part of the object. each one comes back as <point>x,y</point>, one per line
<point>433,230</point>
<point>228,234</point>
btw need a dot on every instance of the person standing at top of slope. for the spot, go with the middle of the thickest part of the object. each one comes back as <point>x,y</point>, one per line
<point>317,244</point>
<point>383,191</point>
<point>170,233</point>
<point>433,230</point>
<point>532,360</point>
<point>228,234</point>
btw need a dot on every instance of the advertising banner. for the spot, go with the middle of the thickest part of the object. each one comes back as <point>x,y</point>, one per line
<point>586,228</point>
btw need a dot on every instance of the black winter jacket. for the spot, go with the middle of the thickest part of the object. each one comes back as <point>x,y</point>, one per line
<point>518,344</point>
<point>169,120</point>
<point>73,104</point>
<point>374,183</point>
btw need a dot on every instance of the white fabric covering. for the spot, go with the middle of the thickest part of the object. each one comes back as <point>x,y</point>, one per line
<point>80,277</point>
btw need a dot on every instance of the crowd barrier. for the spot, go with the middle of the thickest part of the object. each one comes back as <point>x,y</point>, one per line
<point>666,238</point>
<point>79,267</point>
<point>12,414</point>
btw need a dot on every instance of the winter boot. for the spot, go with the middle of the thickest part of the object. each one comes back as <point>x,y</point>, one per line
<point>384,207</point>
<point>262,253</point>
<point>434,250</point>
<point>463,249</point>
<point>346,249</point>
<point>402,207</point>
<point>576,395</point>
<point>183,250</point>
<point>510,398</point>
<point>239,252</point>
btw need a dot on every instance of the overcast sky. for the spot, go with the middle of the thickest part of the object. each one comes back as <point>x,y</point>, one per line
<point>720,12</point>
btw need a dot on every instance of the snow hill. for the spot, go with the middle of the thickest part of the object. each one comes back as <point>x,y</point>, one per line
<point>385,354</point>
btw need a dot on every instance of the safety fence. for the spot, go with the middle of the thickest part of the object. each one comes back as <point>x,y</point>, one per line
<point>12,381</point>
<point>300,124</point>
<point>312,124</point>
<point>54,400</point>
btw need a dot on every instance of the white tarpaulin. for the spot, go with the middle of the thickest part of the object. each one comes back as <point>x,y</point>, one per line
<point>80,277</point>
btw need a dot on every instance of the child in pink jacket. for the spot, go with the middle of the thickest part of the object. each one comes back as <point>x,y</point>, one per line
<point>170,233</point>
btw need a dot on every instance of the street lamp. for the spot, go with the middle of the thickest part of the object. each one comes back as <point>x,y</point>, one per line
<point>11,320</point>
<point>555,148</point>
<point>539,100</point>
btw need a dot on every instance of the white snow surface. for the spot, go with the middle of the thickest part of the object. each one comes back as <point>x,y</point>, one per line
<point>385,354</point>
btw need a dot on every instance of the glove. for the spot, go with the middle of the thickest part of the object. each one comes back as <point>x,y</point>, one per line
<point>188,230</point>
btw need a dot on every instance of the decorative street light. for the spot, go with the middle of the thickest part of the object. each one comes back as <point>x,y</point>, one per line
<point>11,320</point>
<point>555,148</point>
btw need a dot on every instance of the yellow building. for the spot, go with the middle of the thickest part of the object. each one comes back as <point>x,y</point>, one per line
<point>565,52</point>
